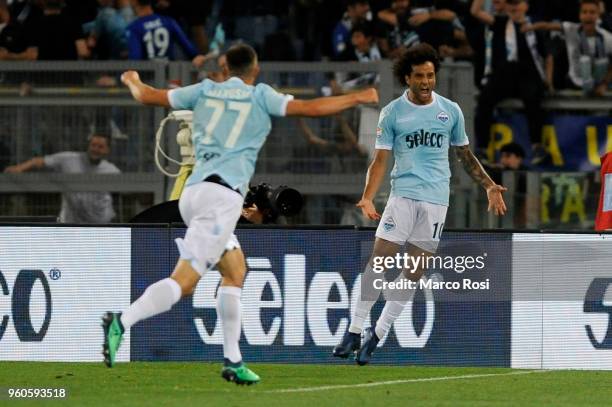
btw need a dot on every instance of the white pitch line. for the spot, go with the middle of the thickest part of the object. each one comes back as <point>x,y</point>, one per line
<point>423,379</point>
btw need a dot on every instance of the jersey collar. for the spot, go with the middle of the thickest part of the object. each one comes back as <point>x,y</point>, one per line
<point>434,97</point>
<point>235,79</point>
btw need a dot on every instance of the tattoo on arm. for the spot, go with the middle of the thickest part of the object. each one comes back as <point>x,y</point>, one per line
<point>472,166</point>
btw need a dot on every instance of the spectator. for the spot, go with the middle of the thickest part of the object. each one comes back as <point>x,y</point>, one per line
<point>363,49</point>
<point>152,36</point>
<point>253,21</point>
<point>363,45</point>
<point>345,144</point>
<point>481,39</point>
<point>56,36</point>
<point>107,31</point>
<point>191,15</point>
<point>14,42</point>
<point>438,27</point>
<point>589,49</point>
<point>512,157</point>
<point>313,22</point>
<point>356,11</point>
<point>25,12</point>
<point>606,17</point>
<point>399,35</point>
<point>549,10</point>
<point>517,70</point>
<point>81,11</point>
<point>79,207</point>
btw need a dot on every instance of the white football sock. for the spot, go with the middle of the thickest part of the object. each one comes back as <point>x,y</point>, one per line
<point>363,307</point>
<point>158,297</point>
<point>392,310</point>
<point>228,310</point>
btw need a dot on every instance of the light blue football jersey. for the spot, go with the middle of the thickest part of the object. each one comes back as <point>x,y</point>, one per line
<point>420,137</point>
<point>231,121</point>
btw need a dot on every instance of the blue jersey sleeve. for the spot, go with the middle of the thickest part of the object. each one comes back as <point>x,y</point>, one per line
<point>340,37</point>
<point>458,135</point>
<point>274,103</point>
<point>134,44</point>
<point>185,98</point>
<point>384,131</point>
<point>182,39</point>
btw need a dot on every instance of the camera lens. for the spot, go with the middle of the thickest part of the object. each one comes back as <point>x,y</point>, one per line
<point>288,201</point>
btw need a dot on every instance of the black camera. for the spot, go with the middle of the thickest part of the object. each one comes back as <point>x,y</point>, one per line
<point>272,203</point>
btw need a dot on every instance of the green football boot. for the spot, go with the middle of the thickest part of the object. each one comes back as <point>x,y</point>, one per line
<point>113,334</point>
<point>240,374</point>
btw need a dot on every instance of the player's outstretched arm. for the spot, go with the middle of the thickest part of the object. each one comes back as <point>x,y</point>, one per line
<point>374,177</point>
<point>143,93</point>
<point>473,167</point>
<point>326,106</point>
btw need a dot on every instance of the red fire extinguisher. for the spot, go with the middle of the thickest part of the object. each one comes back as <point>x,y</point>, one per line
<point>603,220</point>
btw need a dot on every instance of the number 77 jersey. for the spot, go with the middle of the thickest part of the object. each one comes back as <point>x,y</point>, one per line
<point>231,121</point>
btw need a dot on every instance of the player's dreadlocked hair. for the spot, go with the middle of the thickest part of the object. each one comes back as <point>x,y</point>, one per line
<point>240,59</point>
<point>415,55</point>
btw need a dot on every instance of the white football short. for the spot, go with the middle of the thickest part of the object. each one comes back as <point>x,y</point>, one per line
<point>232,243</point>
<point>416,222</point>
<point>210,212</point>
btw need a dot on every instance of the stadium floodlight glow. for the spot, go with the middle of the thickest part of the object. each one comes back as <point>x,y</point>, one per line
<point>183,139</point>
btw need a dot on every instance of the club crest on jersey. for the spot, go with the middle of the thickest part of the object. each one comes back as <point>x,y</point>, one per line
<point>443,117</point>
<point>389,224</point>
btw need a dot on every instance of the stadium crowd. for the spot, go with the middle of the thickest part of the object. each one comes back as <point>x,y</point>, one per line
<point>520,48</point>
<point>280,30</point>
<point>553,44</point>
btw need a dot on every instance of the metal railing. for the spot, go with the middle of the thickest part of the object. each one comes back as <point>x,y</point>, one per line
<point>47,107</point>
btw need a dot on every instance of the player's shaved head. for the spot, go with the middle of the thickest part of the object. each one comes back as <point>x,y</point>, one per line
<point>241,60</point>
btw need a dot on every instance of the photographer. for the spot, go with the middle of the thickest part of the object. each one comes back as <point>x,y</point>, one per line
<point>264,205</point>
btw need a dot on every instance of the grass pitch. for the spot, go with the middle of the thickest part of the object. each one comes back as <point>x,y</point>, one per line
<point>191,384</point>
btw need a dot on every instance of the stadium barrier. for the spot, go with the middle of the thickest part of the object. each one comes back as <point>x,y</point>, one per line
<point>51,106</point>
<point>544,305</point>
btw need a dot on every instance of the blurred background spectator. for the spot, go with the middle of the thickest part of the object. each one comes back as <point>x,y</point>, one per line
<point>15,41</point>
<point>406,25</point>
<point>279,30</point>
<point>356,11</point>
<point>106,34</point>
<point>513,56</point>
<point>517,70</point>
<point>191,16</point>
<point>585,64</point>
<point>57,35</point>
<point>79,207</point>
<point>363,45</point>
<point>512,158</point>
<point>151,36</point>
<point>343,144</point>
<point>25,12</point>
